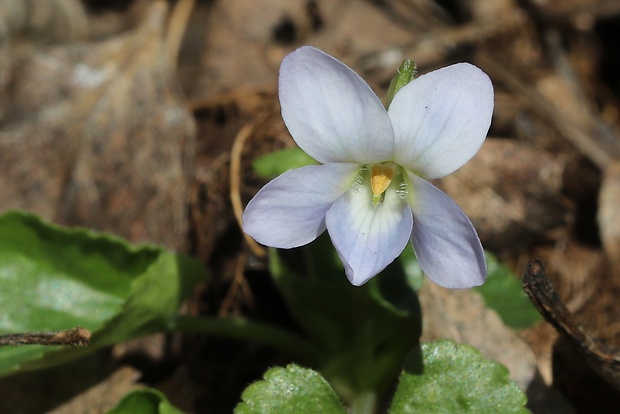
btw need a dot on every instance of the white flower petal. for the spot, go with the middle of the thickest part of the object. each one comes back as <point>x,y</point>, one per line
<point>290,210</point>
<point>440,119</point>
<point>332,114</point>
<point>444,240</point>
<point>368,237</point>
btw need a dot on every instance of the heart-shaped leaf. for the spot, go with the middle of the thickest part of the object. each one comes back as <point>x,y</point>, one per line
<point>54,278</point>
<point>145,401</point>
<point>444,377</point>
<point>290,390</point>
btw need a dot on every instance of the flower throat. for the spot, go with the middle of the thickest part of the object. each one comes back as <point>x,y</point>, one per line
<point>381,177</point>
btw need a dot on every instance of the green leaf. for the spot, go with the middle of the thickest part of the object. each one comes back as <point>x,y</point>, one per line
<point>364,332</point>
<point>444,377</point>
<point>290,390</point>
<point>276,163</point>
<point>144,401</point>
<point>503,293</point>
<point>54,278</point>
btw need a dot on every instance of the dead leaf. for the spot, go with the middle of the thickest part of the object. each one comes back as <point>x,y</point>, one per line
<point>104,395</point>
<point>93,384</point>
<point>44,22</point>
<point>511,192</point>
<point>461,315</point>
<point>98,135</point>
<point>543,295</point>
<point>30,22</point>
<point>239,38</point>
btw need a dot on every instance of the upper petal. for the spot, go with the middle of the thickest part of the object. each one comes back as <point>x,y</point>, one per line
<point>368,237</point>
<point>290,210</point>
<point>440,119</point>
<point>332,114</point>
<point>444,240</point>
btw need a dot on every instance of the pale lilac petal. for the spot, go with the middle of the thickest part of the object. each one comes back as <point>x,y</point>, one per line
<point>290,210</point>
<point>440,119</point>
<point>332,114</point>
<point>368,237</point>
<point>444,240</point>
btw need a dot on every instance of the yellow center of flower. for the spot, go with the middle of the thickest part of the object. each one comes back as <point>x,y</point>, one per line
<point>380,179</point>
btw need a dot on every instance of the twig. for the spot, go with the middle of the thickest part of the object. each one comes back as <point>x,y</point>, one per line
<point>239,284</point>
<point>544,296</point>
<point>77,336</point>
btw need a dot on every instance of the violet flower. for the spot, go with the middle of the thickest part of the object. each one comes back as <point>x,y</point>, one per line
<point>370,192</point>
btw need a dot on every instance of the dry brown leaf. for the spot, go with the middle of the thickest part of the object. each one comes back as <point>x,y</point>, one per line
<point>510,191</point>
<point>461,315</point>
<point>244,42</point>
<point>28,22</point>
<point>48,21</point>
<point>98,135</point>
<point>104,395</point>
<point>236,48</point>
<point>92,384</point>
<point>574,268</point>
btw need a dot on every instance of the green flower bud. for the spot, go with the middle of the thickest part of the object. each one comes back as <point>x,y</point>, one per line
<point>406,73</point>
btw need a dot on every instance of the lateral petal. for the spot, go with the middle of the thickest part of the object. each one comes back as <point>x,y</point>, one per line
<point>368,237</point>
<point>441,119</point>
<point>444,240</point>
<point>290,210</point>
<point>332,114</point>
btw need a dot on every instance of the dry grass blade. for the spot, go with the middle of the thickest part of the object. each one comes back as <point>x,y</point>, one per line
<point>594,143</point>
<point>176,28</point>
<point>235,181</point>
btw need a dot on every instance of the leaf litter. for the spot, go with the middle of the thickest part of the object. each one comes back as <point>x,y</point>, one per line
<point>101,126</point>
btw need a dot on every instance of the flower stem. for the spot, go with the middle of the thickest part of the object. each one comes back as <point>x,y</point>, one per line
<point>365,400</point>
<point>365,403</point>
<point>239,328</point>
